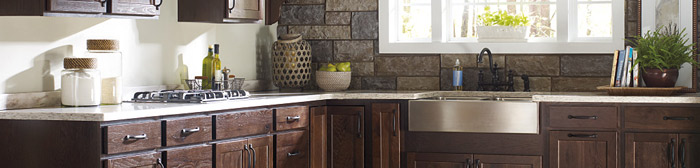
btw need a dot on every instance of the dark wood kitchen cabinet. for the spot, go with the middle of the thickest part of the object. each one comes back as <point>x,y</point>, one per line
<point>661,150</point>
<point>508,161</point>
<point>576,149</point>
<point>198,156</point>
<point>346,131</point>
<point>136,7</point>
<point>386,135</point>
<point>220,11</point>
<point>150,160</point>
<point>81,6</point>
<point>318,137</point>
<point>244,153</point>
<point>441,160</point>
<point>244,9</point>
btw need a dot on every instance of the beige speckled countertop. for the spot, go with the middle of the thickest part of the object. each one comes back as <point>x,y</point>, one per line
<point>142,110</point>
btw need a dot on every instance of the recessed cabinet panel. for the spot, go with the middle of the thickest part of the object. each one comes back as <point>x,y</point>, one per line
<point>574,149</point>
<point>137,7</point>
<point>82,6</point>
<point>643,150</point>
<point>200,156</point>
<point>244,9</point>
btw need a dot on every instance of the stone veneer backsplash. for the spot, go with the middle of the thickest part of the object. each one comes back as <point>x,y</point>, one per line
<point>347,30</point>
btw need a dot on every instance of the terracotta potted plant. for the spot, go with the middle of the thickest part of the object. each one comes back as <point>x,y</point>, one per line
<point>661,53</point>
<point>500,26</point>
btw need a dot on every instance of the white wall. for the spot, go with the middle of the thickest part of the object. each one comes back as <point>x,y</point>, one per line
<point>32,48</point>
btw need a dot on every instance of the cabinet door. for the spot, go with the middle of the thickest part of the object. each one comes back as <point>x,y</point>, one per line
<point>81,6</point>
<point>346,136</point>
<point>233,154</point>
<point>261,149</point>
<point>137,7</point>
<point>570,149</point>
<point>243,123</point>
<point>318,130</point>
<point>507,161</point>
<point>439,160</point>
<point>386,135</point>
<point>292,150</point>
<point>689,150</point>
<point>643,150</point>
<point>244,9</point>
<point>151,160</point>
<point>190,157</point>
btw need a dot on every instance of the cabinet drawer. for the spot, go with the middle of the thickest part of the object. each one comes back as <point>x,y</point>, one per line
<point>583,117</point>
<point>293,150</point>
<point>186,131</point>
<point>132,137</point>
<point>143,160</point>
<point>200,156</point>
<point>642,117</point>
<point>292,117</point>
<point>243,123</point>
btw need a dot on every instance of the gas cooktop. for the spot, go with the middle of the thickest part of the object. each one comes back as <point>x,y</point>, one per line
<point>189,96</point>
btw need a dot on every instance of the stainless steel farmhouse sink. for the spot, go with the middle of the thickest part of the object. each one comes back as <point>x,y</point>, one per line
<point>474,114</point>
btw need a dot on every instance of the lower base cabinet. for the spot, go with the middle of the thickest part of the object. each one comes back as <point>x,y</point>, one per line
<point>254,152</point>
<point>440,160</point>
<point>576,149</point>
<point>189,157</point>
<point>662,150</point>
<point>136,161</point>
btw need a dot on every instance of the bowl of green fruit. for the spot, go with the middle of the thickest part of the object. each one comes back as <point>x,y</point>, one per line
<point>334,77</point>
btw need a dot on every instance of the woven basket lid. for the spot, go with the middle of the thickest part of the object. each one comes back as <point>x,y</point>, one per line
<point>102,44</point>
<point>80,63</point>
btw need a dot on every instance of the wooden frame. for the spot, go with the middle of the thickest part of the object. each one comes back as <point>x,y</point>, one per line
<point>694,36</point>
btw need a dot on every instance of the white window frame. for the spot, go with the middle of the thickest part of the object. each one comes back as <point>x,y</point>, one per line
<point>440,41</point>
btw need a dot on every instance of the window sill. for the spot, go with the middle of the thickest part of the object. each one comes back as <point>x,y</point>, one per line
<point>501,48</point>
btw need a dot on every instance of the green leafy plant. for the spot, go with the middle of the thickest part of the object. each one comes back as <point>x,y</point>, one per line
<point>665,48</point>
<point>501,18</point>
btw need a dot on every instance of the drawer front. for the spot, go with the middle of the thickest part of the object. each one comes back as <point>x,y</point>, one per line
<point>583,117</point>
<point>243,123</point>
<point>662,117</point>
<point>144,160</point>
<point>132,137</point>
<point>292,118</point>
<point>186,131</point>
<point>200,156</point>
<point>293,150</point>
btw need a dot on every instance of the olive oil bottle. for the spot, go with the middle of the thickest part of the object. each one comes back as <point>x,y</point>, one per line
<point>207,69</point>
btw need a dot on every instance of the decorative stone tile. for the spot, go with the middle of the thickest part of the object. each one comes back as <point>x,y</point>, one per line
<point>418,83</point>
<point>569,84</point>
<point>338,18</point>
<point>537,84</point>
<point>497,59</point>
<point>376,47</point>
<point>586,65</point>
<point>470,78</point>
<point>378,83</point>
<point>304,1</point>
<point>466,60</point>
<point>445,79</point>
<point>322,32</point>
<point>365,25</point>
<point>351,5</point>
<point>302,14</point>
<point>534,65</point>
<point>321,51</point>
<point>281,30</point>
<point>355,83</point>
<point>354,50</point>
<point>407,65</point>
<point>362,68</point>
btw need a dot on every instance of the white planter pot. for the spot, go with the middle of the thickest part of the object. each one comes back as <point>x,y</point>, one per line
<point>501,33</point>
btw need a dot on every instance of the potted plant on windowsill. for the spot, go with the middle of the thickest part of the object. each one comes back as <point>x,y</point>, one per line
<point>661,53</point>
<point>500,26</point>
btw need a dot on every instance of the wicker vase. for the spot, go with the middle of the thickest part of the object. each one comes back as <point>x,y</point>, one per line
<point>291,62</point>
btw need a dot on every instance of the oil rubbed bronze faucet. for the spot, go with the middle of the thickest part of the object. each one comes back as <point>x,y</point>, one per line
<point>496,83</point>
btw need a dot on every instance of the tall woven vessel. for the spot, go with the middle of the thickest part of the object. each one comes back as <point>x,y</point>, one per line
<point>291,62</point>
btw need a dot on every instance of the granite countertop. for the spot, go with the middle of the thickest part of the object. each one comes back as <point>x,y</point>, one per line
<point>130,110</point>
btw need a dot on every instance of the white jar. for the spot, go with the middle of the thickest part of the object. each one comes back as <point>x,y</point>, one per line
<point>80,82</point>
<point>110,59</point>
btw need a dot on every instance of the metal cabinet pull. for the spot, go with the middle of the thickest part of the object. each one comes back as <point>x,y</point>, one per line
<point>682,153</point>
<point>102,3</point>
<point>293,154</point>
<point>295,118</point>
<point>678,118</point>
<point>469,163</point>
<point>359,124</point>
<point>393,121</point>
<point>255,158</point>
<point>136,137</point>
<point>477,162</point>
<point>189,131</point>
<point>250,158</point>
<point>233,2</point>
<point>159,162</point>
<point>583,117</point>
<point>583,135</point>
<point>672,152</point>
<point>158,5</point>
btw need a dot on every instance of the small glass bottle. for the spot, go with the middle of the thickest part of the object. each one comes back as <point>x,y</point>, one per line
<point>110,61</point>
<point>457,77</point>
<point>80,82</point>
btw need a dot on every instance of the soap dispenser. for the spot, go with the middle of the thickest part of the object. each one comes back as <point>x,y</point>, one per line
<point>457,76</point>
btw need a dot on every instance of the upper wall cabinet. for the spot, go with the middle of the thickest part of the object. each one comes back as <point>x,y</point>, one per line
<point>229,11</point>
<point>82,8</point>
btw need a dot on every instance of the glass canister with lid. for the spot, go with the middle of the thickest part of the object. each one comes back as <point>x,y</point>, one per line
<point>80,82</point>
<point>110,59</point>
